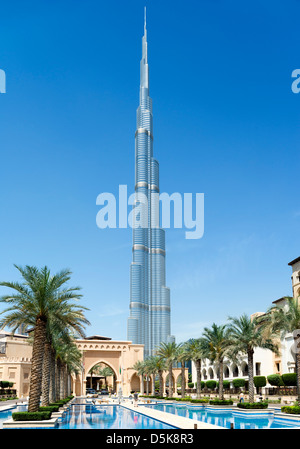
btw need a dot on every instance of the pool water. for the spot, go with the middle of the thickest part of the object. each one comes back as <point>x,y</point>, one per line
<point>106,417</point>
<point>6,414</point>
<point>226,417</point>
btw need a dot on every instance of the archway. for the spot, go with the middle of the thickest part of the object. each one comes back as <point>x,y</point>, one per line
<point>135,383</point>
<point>101,376</point>
<point>226,372</point>
<point>235,370</point>
<point>210,373</point>
<point>244,368</point>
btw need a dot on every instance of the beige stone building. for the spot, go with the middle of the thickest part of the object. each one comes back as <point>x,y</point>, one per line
<point>15,361</point>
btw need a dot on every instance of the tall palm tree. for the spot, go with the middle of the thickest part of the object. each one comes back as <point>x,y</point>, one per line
<point>96,369</point>
<point>160,367</point>
<point>216,343</point>
<point>169,352</point>
<point>151,369</point>
<point>183,356</point>
<point>196,350</point>
<point>106,372</point>
<point>67,324</point>
<point>281,320</point>
<point>139,367</point>
<point>31,304</point>
<point>246,334</point>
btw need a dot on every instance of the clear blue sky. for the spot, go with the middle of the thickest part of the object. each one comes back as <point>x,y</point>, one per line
<point>226,123</point>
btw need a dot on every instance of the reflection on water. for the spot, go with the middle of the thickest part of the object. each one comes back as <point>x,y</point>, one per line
<point>226,417</point>
<point>106,417</point>
<point>6,414</point>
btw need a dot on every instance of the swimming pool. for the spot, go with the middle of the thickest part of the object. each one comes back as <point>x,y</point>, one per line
<point>224,418</point>
<point>106,417</point>
<point>97,417</point>
<point>6,414</point>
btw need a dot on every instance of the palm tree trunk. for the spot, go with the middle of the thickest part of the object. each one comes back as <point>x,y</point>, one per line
<point>46,374</point>
<point>142,384</point>
<point>198,370</point>
<point>161,386</point>
<point>37,365</point>
<point>296,345</point>
<point>221,390</point>
<point>182,380</point>
<point>147,385</point>
<point>61,386</point>
<point>57,381</point>
<point>153,384</point>
<point>170,380</point>
<point>52,394</point>
<point>250,373</point>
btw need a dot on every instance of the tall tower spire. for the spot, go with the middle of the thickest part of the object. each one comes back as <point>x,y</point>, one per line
<point>149,321</point>
<point>144,60</point>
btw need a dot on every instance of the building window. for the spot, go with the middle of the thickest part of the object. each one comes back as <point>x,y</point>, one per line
<point>278,367</point>
<point>257,369</point>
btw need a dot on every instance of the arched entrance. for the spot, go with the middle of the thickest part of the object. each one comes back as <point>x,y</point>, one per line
<point>101,377</point>
<point>135,383</point>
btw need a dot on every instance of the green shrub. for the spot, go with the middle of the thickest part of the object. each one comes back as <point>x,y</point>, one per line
<point>220,402</point>
<point>238,383</point>
<point>259,381</point>
<point>275,380</point>
<point>291,410</point>
<point>290,379</point>
<point>252,405</point>
<point>187,398</point>
<point>211,384</point>
<point>50,408</point>
<point>191,384</point>
<point>200,401</point>
<point>31,416</point>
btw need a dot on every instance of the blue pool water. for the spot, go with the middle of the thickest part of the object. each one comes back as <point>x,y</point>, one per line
<point>6,414</point>
<point>97,417</point>
<point>226,417</point>
<point>107,417</point>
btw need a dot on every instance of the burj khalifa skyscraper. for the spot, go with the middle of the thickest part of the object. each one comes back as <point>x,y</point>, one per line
<point>149,321</point>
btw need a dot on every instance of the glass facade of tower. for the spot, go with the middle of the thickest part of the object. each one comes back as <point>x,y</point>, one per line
<point>149,321</point>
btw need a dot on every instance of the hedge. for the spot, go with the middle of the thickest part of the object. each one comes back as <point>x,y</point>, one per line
<point>220,402</point>
<point>292,410</point>
<point>238,383</point>
<point>290,379</point>
<point>191,384</point>
<point>50,408</point>
<point>226,384</point>
<point>31,416</point>
<point>200,401</point>
<point>211,384</point>
<point>275,380</point>
<point>259,381</point>
<point>252,405</point>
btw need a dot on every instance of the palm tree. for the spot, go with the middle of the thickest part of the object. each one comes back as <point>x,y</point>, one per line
<point>67,324</point>
<point>151,369</point>
<point>96,369</point>
<point>139,367</point>
<point>285,320</point>
<point>169,352</point>
<point>183,356</point>
<point>32,303</point>
<point>197,352</point>
<point>161,366</point>
<point>106,372</point>
<point>216,342</point>
<point>246,334</point>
